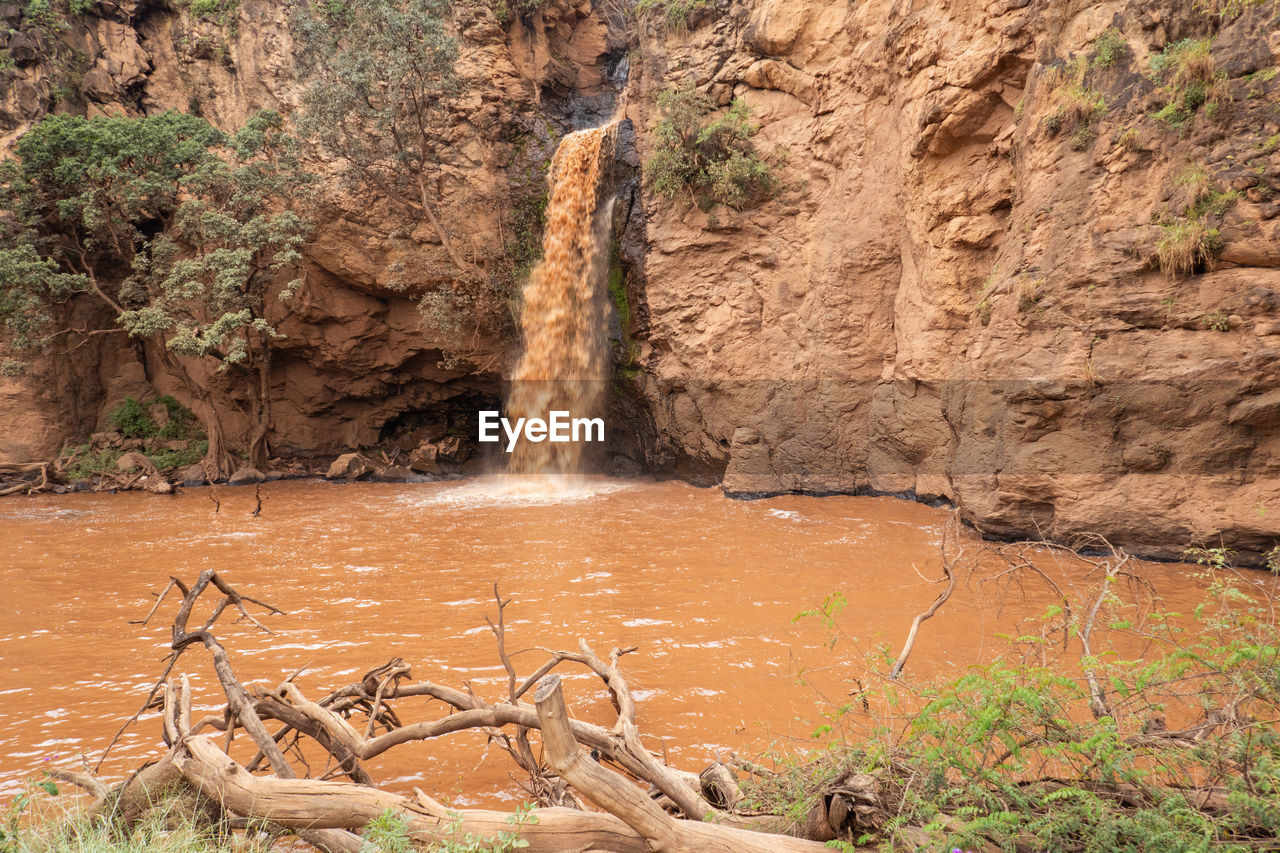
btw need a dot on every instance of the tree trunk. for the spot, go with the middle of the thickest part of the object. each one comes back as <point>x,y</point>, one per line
<point>218,463</point>
<point>259,450</point>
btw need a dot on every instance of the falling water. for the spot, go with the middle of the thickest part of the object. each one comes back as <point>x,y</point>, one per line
<point>564,366</point>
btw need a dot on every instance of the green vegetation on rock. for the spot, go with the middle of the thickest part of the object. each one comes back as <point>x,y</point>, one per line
<point>711,157</point>
<point>676,15</point>
<point>1188,81</point>
<point>394,142</point>
<point>180,230</point>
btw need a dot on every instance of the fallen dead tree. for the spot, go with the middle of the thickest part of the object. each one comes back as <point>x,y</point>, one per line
<point>567,765</point>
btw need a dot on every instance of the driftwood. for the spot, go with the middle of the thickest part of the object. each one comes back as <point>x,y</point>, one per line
<point>648,805</point>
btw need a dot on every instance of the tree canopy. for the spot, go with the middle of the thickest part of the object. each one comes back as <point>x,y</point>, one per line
<point>180,229</point>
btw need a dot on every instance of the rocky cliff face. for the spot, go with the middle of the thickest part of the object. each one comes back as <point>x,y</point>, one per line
<point>957,295</point>
<point>358,363</point>
<point>949,299</point>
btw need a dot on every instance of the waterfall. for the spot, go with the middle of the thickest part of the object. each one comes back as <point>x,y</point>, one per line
<point>565,364</point>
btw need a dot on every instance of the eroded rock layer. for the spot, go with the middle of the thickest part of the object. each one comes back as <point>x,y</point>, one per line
<point>957,294</point>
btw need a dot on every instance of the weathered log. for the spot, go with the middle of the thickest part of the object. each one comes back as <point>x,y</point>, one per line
<point>624,800</point>
<point>319,804</point>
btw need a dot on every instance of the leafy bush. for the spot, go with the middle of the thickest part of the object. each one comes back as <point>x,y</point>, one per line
<point>710,157</point>
<point>1061,746</point>
<point>132,419</point>
<point>675,14</point>
<point>165,459</point>
<point>1109,47</point>
<point>1218,321</point>
<point>508,9</point>
<point>90,463</point>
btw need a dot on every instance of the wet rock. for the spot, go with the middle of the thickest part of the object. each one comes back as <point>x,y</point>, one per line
<point>246,476</point>
<point>750,472</point>
<point>391,474</point>
<point>425,458</point>
<point>192,475</point>
<point>350,466</point>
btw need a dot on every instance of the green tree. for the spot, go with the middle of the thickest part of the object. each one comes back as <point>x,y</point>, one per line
<point>381,78</point>
<point>179,230</point>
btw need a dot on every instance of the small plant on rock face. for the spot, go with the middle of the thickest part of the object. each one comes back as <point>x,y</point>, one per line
<point>1130,140</point>
<point>1188,241</point>
<point>1077,106</point>
<point>1109,47</point>
<point>711,158</point>
<point>676,15</point>
<point>1218,321</point>
<point>1184,246</point>
<point>1190,81</point>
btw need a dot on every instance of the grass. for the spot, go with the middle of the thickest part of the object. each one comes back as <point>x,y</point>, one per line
<point>1030,292</point>
<point>1189,80</point>
<point>676,15</point>
<point>1077,107</point>
<point>1188,241</point>
<point>1185,245</point>
<point>1130,139</point>
<point>1008,755</point>
<point>167,827</point>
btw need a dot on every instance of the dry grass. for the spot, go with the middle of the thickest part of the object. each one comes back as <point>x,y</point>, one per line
<point>1130,140</point>
<point>1192,62</point>
<point>1030,292</point>
<point>1185,245</point>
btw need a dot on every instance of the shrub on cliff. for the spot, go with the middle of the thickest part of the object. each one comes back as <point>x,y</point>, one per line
<point>178,229</point>
<point>710,157</point>
<point>1108,723</point>
<point>381,102</point>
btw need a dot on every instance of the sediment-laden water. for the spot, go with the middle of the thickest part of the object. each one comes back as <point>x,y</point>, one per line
<point>563,365</point>
<point>706,587</point>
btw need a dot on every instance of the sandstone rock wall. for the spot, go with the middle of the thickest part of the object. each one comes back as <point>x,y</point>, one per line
<point>357,362</point>
<point>949,301</point>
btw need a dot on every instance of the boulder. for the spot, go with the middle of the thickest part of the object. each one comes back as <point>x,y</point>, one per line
<point>159,414</point>
<point>425,458</point>
<point>99,440</point>
<point>135,461</point>
<point>192,475</point>
<point>453,449</point>
<point>391,474</point>
<point>23,49</point>
<point>349,466</point>
<point>246,476</point>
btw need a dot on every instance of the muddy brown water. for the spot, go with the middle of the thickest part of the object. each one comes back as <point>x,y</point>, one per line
<point>706,587</point>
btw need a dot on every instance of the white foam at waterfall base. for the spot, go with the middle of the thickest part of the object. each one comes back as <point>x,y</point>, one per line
<point>515,490</point>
